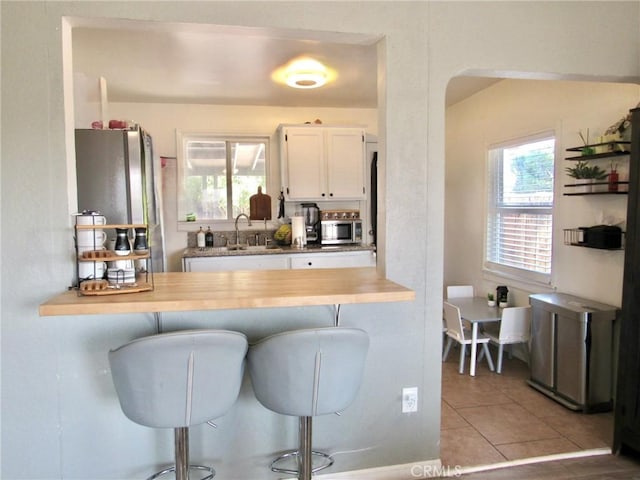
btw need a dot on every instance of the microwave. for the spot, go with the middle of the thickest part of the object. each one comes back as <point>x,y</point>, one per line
<point>336,232</point>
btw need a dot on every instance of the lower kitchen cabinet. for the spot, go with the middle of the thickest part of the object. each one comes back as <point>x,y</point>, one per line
<point>363,258</point>
<point>334,260</point>
<point>236,262</point>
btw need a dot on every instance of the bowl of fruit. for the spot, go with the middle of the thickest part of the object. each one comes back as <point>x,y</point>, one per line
<point>282,236</point>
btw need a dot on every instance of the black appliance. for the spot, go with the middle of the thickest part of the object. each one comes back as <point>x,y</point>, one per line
<point>602,236</point>
<point>502,294</point>
<point>311,214</point>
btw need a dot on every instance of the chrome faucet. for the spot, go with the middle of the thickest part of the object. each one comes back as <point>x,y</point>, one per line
<point>237,231</point>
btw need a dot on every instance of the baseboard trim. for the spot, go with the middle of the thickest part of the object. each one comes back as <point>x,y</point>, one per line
<point>435,469</point>
<point>546,458</point>
<point>404,471</point>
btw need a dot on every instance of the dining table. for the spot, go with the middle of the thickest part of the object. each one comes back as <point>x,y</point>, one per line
<point>475,310</point>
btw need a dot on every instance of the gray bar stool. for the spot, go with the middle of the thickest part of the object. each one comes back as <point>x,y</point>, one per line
<point>176,380</point>
<point>306,373</point>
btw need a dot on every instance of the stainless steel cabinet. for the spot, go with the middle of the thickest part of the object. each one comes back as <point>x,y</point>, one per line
<point>542,360</point>
<point>571,350</point>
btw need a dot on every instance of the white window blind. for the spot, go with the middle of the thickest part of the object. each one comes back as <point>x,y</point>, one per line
<point>520,220</point>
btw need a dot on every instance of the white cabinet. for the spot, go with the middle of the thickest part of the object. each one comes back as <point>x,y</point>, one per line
<point>334,260</point>
<point>303,163</point>
<point>322,163</point>
<point>281,261</point>
<point>236,262</point>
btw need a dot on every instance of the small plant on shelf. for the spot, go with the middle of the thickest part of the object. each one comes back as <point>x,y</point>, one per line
<point>583,171</point>
<point>491,300</point>
<point>586,150</point>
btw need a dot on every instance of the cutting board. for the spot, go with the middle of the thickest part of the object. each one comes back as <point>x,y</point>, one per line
<point>260,206</point>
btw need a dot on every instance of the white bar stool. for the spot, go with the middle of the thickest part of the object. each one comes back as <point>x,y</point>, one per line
<point>306,373</point>
<point>176,380</point>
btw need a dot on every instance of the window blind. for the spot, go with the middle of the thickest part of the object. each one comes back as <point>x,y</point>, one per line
<point>520,220</point>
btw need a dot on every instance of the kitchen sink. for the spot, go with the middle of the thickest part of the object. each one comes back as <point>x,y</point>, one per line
<point>257,248</point>
<point>252,248</point>
<point>239,246</point>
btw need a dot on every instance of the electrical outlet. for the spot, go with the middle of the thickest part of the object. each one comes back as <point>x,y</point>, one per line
<point>409,399</point>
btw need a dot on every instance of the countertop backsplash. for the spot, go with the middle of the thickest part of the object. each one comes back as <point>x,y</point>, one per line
<point>221,238</point>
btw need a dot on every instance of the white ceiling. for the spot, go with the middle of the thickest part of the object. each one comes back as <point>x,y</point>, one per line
<point>207,64</point>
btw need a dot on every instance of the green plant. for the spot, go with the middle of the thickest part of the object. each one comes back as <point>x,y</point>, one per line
<point>490,297</point>
<point>582,170</point>
<point>597,173</point>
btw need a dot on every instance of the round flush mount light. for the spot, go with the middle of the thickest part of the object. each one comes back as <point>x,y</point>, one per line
<point>306,79</point>
<point>304,72</point>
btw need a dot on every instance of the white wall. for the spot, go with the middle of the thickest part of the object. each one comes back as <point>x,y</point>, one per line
<point>515,108</point>
<point>162,121</point>
<point>60,417</point>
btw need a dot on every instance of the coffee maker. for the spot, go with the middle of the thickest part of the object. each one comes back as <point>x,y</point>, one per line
<point>311,214</point>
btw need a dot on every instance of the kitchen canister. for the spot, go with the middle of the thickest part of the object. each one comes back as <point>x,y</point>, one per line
<point>123,246</point>
<point>140,245</point>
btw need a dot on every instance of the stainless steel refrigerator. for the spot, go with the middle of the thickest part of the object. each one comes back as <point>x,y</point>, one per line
<point>119,175</point>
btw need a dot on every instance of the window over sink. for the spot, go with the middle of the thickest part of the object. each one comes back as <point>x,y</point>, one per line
<point>520,208</point>
<point>217,174</point>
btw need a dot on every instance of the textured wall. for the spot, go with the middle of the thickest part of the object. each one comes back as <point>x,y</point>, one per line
<point>60,418</point>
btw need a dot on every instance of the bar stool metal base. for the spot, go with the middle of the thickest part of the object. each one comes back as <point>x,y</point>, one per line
<point>182,467</point>
<point>204,468</point>
<point>304,454</point>
<point>328,462</point>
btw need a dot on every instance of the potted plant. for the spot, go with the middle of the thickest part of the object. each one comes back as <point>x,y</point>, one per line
<point>587,173</point>
<point>491,300</point>
<point>587,149</point>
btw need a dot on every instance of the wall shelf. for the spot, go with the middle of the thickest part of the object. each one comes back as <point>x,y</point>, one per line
<point>612,150</point>
<point>622,188</point>
<point>615,149</point>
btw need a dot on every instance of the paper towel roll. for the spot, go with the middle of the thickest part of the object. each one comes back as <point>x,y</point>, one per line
<point>298,232</point>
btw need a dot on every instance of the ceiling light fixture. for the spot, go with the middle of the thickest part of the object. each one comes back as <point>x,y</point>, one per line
<point>304,72</point>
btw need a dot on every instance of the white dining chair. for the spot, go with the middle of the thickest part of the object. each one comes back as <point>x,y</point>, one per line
<point>456,333</point>
<point>514,327</point>
<point>457,291</point>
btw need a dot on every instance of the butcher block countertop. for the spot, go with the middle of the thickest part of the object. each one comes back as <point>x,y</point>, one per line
<point>188,291</point>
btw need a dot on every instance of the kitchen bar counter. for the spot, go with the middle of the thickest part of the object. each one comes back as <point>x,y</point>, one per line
<point>193,252</point>
<point>179,291</point>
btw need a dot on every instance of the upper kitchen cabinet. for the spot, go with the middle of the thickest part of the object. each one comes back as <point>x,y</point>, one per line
<point>322,162</point>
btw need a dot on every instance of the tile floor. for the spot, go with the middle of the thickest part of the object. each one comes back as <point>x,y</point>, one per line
<point>493,418</point>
